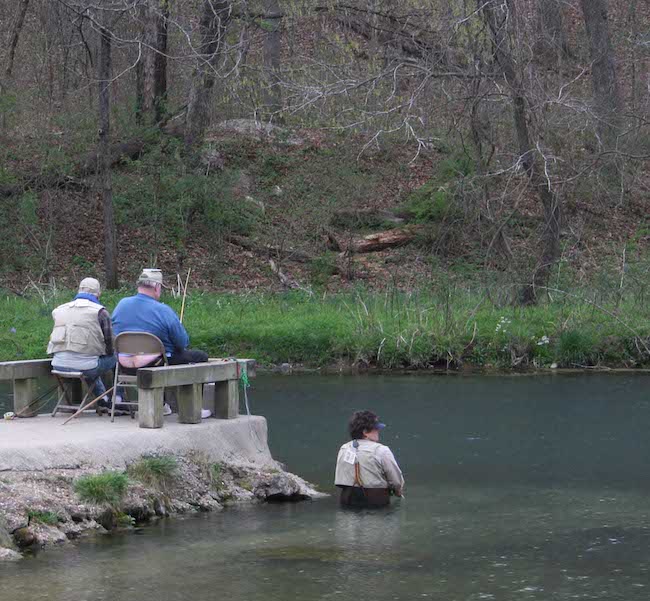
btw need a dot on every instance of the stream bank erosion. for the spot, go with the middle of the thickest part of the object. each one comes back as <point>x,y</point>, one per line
<point>58,483</point>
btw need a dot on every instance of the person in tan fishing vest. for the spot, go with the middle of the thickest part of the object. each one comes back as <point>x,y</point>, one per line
<point>82,338</point>
<point>366,470</point>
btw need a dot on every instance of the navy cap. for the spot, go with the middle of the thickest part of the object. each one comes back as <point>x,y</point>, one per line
<point>379,426</point>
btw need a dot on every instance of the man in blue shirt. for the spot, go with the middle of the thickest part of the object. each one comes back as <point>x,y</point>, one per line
<point>145,313</point>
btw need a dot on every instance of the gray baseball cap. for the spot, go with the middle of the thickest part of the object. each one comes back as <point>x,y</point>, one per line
<point>91,286</point>
<point>151,275</point>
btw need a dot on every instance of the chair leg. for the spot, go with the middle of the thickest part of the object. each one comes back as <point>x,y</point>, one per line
<point>62,395</point>
<point>90,393</point>
<point>114,395</point>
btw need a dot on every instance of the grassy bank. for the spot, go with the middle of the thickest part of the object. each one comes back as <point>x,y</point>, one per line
<point>392,330</point>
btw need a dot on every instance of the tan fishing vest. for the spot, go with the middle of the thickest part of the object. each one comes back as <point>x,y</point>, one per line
<point>76,329</point>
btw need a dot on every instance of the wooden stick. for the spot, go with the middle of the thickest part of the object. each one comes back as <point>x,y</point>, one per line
<point>187,280</point>
<point>88,405</point>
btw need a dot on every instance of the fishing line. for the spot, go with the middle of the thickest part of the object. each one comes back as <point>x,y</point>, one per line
<point>254,435</point>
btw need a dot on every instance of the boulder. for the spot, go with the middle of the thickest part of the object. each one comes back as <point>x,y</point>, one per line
<point>9,555</point>
<point>24,537</point>
<point>280,486</point>
<point>6,542</point>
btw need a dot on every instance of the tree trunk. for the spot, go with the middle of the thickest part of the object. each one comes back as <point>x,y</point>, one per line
<point>151,70</point>
<point>5,87</point>
<point>15,36</point>
<point>550,248</point>
<point>272,24</point>
<point>214,21</point>
<point>607,99</point>
<point>553,40</point>
<point>104,158</point>
<point>160,64</point>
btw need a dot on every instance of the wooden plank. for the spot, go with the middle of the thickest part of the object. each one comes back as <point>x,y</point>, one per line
<point>190,403</point>
<point>180,375</point>
<point>23,370</point>
<point>24,394</point>
<point>150,407</point>
<point>248,366</point>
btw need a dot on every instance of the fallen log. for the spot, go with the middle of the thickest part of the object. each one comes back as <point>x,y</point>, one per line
<point>375,242</point>
<point>268,250</point>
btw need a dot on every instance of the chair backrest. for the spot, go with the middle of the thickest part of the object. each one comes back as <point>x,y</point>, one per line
<point>139,344</point>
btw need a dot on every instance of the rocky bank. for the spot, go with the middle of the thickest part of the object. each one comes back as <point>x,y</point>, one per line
<point>41,508</point>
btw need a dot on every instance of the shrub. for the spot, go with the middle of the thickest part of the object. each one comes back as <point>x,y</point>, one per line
<point>154,470</point>
<point>107,488</point>
<point>44,517</point>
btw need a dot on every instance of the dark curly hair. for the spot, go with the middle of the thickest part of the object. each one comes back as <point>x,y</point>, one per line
<point>360,422</point>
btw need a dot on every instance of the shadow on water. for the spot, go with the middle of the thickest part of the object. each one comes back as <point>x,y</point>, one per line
<point>517,489</point>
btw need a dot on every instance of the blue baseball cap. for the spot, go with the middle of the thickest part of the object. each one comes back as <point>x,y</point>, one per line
<point>379,426</point>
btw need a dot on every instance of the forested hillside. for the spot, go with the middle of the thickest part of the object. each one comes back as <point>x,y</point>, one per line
<point>324,145</point>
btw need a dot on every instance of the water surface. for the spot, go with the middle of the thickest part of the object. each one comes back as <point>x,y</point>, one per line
<point>518,487</point>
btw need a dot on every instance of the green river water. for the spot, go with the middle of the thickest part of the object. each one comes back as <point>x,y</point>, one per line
<point>518,487</point>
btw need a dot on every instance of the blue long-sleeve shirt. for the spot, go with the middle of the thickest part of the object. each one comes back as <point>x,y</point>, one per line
<point>142,313</point>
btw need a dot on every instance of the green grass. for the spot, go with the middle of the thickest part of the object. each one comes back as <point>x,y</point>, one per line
<point>216,476</point>
<point>154,470</point>
<point>44,517</point>
<point>445,326</point>
<point>107,488</point>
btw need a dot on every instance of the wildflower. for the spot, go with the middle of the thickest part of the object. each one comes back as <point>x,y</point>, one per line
<point>502,324</point>
<point>543,340</point>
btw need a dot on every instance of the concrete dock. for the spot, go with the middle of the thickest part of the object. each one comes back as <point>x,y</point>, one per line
<point>43,443</point>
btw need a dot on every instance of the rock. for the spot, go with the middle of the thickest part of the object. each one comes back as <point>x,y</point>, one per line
<point>285,368</point>
<point>79,516</point>
<point>277,191</point>
<point>49,535</point>
<point>9,555</point>
<point>553,365</point>
<point>24,538</point>
<point>181,507</point>
<point>71,529</point>
<point>278,487</point>
<point>15,520</point>
<point>258,204</point>
<point>107,519</point>
<point>6,542</point>
<point>212,159</point>
<point>256,130</point>
<point>159,508</point>
<point>246,127</point>
<point>207,503</point>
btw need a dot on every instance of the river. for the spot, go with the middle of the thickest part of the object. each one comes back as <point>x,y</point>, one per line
<point>518,487</point>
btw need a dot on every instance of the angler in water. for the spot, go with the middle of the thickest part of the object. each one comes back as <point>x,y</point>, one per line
<point>366,471</point>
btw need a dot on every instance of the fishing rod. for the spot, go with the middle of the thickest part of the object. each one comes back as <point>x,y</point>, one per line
<point>187,280</point>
